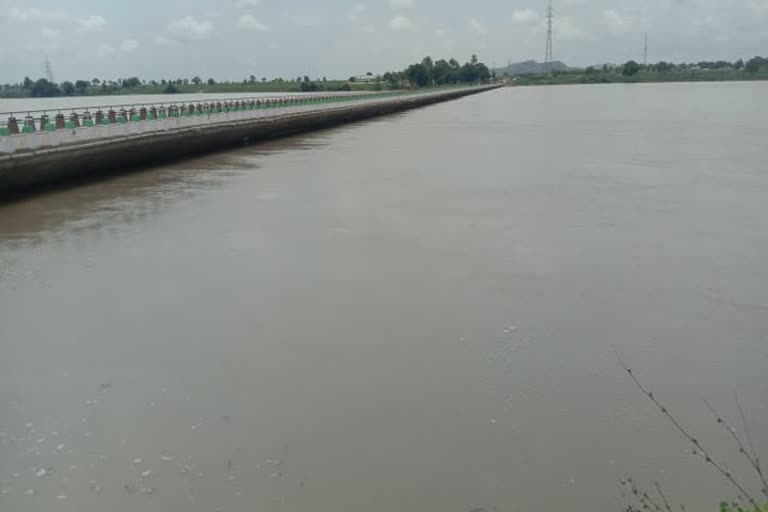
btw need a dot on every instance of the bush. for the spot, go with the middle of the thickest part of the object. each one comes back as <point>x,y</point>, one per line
<point>631,68</point>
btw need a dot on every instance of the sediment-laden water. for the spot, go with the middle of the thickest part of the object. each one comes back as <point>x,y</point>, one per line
<point>418,312</point>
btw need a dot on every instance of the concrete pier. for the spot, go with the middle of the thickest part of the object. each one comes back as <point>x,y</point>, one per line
<point>47,151</point>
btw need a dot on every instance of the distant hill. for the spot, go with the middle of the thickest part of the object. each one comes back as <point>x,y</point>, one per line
<point>530,67</point>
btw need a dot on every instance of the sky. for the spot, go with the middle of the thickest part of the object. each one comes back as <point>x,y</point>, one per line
<point>233,39</point>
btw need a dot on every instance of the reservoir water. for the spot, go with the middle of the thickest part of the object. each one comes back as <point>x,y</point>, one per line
<point>418,312</point>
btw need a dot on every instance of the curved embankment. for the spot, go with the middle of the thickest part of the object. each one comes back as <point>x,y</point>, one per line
<point>48,157</point>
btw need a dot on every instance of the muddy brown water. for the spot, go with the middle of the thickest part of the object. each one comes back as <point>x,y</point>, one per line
<point>418,312</point>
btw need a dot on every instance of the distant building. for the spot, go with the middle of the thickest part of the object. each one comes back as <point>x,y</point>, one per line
<point>365,79</point>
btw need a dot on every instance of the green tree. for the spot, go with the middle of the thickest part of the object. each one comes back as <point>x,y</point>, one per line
<point>631,68</point>
<point>754,64</point>
<point>738,65</point>
<point>211,81</point>
<point>44,89</point>
<point>197,80</point>
<point>308,86</point>
<point>82,86</point>
<point>170,89</point>
<point>28,83</point>
<point>131,83</point>
<point>68,88</point>
<point>418,75</point>
<point>443,72</point>
<point>391,79</point>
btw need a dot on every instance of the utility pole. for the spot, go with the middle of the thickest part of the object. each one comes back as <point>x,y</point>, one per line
<point>548,54</point>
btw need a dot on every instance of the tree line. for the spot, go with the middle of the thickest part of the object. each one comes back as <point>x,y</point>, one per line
<point>421,74</point>
<point>42,87</point>
<point>429,72</point>
<point>631,68</point>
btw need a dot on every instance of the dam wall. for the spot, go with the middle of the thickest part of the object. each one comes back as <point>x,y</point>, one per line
<point>45,151</point>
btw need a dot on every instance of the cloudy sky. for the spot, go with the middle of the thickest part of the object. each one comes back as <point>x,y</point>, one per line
<point>232,39</point>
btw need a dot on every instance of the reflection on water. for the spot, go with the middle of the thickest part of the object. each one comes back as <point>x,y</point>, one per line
<point>419,312</point>
<point>129,199</point>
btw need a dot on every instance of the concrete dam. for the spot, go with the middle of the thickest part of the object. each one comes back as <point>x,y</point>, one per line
<point>40,149</point>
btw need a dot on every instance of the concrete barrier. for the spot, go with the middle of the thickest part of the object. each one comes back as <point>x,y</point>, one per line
<point>120,145</point>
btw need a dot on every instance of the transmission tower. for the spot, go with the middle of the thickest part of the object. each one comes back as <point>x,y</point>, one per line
<point>48,70</point>
<point>645,50</point>
<point>548,54</point>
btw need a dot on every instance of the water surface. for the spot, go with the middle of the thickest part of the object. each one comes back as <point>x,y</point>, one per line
<point>418,312</point>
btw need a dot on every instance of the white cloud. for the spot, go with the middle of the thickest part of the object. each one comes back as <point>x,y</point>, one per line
<point>524,16</point>
<point>105,50</point>
<point>401,4</point>
<point>243,4</point>
<point>90,23</point>
<point>567,30</point>
<point>163,41</point>
<point>615,21</point>
<point>402,24</point>
<point>357,12</point>
<point>50,34</point>
<point>248,22</point>
<point>190,29</point>
<point>33,14</point>
<point>477,26</point>
<point>128,45</point>
<point>759,7</point>
<point>303,20</point>
<point>706,22</point>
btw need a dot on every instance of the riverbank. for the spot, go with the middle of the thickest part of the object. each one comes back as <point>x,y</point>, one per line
<point>611,77</point>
